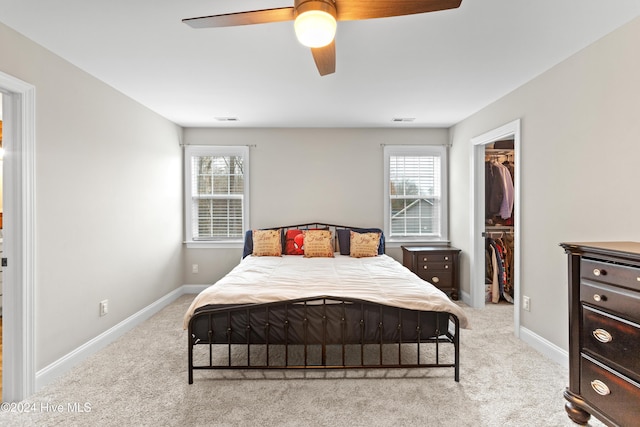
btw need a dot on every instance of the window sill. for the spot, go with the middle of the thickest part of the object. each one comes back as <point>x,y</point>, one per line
<point>414,242</point>
<point>214,245</point>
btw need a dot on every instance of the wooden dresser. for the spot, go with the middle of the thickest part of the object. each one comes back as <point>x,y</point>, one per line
<point>604,332</point>
<point>435,264</point>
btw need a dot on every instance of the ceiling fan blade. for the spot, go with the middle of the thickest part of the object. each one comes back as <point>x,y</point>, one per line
<point>325,58</point>
<point>351,10</point>
<point>242,18</point>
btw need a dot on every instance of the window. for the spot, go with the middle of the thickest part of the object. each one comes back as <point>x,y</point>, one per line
<point>415,193</point>
<point>216,194</point>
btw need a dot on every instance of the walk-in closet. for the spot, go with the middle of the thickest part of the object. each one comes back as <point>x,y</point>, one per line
<point>499,221</point>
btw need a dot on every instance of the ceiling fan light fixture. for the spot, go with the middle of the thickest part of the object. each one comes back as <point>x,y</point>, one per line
<point>315,23</point>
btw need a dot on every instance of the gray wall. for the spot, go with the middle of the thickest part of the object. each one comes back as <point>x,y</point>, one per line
<point>580,133</point>
<point>108,200</point>
<point>303,175</point>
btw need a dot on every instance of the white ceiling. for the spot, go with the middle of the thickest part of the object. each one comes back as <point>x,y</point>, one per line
<point>438,68</point>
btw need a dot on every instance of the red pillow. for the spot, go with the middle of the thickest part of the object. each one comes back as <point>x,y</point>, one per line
<point>293,244</point>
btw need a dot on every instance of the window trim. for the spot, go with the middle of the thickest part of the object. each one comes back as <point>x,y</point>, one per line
<point>214,150</point>
<point>417,150</point>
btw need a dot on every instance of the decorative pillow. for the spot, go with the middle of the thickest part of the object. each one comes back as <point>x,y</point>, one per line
<point>318,243</point>
<point>364,244</point>
<point>344,239</point>
<point>267,243</point>
<point>294,241</point>
<point>248,244</point>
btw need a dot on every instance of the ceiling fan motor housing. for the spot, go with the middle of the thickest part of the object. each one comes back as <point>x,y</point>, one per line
<point>301,6</point>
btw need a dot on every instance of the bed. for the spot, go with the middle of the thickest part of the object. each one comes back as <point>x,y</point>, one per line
<point>300,301</point>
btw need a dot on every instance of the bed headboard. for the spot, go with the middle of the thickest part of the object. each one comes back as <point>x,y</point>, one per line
<point>341,235</point>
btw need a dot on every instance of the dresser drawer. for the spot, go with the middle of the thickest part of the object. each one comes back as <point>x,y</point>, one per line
<point>615,274</point>
<point>615,395</point>
<point>610,298</point>
<point>611,338</point>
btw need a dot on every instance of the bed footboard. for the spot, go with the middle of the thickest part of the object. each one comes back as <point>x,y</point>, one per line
<point>321,333</point>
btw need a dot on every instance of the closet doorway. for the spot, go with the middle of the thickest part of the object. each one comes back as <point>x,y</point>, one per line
<point>18,277</point>
<point>1,242</point>
<point>487,228</point>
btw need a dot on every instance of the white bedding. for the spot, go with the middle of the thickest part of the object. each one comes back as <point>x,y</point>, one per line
<point>378,279</point>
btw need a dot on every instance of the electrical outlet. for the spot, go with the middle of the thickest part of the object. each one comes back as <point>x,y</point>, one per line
<point>104,307</point>
<point>526,303</point>
<point>194,268</point>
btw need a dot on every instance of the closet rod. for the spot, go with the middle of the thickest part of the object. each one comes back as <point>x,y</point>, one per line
<point>497,233</point>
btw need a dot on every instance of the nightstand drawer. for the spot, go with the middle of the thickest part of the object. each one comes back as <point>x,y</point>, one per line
<point>610,298</point>
<point>441,279</point>
<point>617,396</point>
<point>422,266</point>
<point>435,257</point>
<point>612,338</point>
<point>615,274</point>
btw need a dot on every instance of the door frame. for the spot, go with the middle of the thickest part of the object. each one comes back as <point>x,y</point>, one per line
<point>18,379</point>
<point>478,144</point>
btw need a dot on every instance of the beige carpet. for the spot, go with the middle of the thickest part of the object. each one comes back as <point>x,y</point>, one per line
<point>141,380</point>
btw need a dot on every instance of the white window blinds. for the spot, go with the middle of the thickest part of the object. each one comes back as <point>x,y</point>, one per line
<point>218,193</point>
<point>414,200</point>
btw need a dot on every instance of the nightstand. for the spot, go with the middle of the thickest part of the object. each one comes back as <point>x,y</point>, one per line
<point>437,265</point>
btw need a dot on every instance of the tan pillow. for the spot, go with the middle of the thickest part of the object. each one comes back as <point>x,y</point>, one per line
<point>267,243</point>
<point>364,244</point>
<point>318,243</point>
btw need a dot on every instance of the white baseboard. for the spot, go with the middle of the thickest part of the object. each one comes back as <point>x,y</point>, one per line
<point>547,348</point>
<point>194,289</point>
<point>65,363</point>
<point>466,298</point>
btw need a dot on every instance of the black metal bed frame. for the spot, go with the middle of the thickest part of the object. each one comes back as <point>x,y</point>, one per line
<point>317,327</point>
<point>307,333</point>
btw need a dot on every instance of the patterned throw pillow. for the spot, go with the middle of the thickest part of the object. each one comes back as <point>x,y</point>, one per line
<point>318,243</point>
<point>364,244</point>
<point>294,241</point>
<point>267,243</point>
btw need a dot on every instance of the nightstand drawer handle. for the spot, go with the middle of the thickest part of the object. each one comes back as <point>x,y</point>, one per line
<point>597,272</point>
<point>424,259</point>
<point>435,279</point>
<point>600,387</point>
<point>446,267</point>
<point>598,298</point>
<point>602,335</point>
<point>446,258</point>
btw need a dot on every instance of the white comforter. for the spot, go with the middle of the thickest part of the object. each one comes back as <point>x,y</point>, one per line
<point>378,279</point>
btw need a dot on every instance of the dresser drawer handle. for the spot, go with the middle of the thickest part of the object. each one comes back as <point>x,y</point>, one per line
<point>435,279</point>
<point>446,267</point>
<point>600,387</point>
<point>597,272</point>
<point>424,259</point>
<point>425,267</point>
<point>446,258</point>
<point>602,335</point>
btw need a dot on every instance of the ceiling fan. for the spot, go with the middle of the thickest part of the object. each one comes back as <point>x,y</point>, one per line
<point>315,20</point>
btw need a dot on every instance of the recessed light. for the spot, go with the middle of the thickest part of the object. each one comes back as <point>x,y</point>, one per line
<point>227,119</point>
<point>403,119</point>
